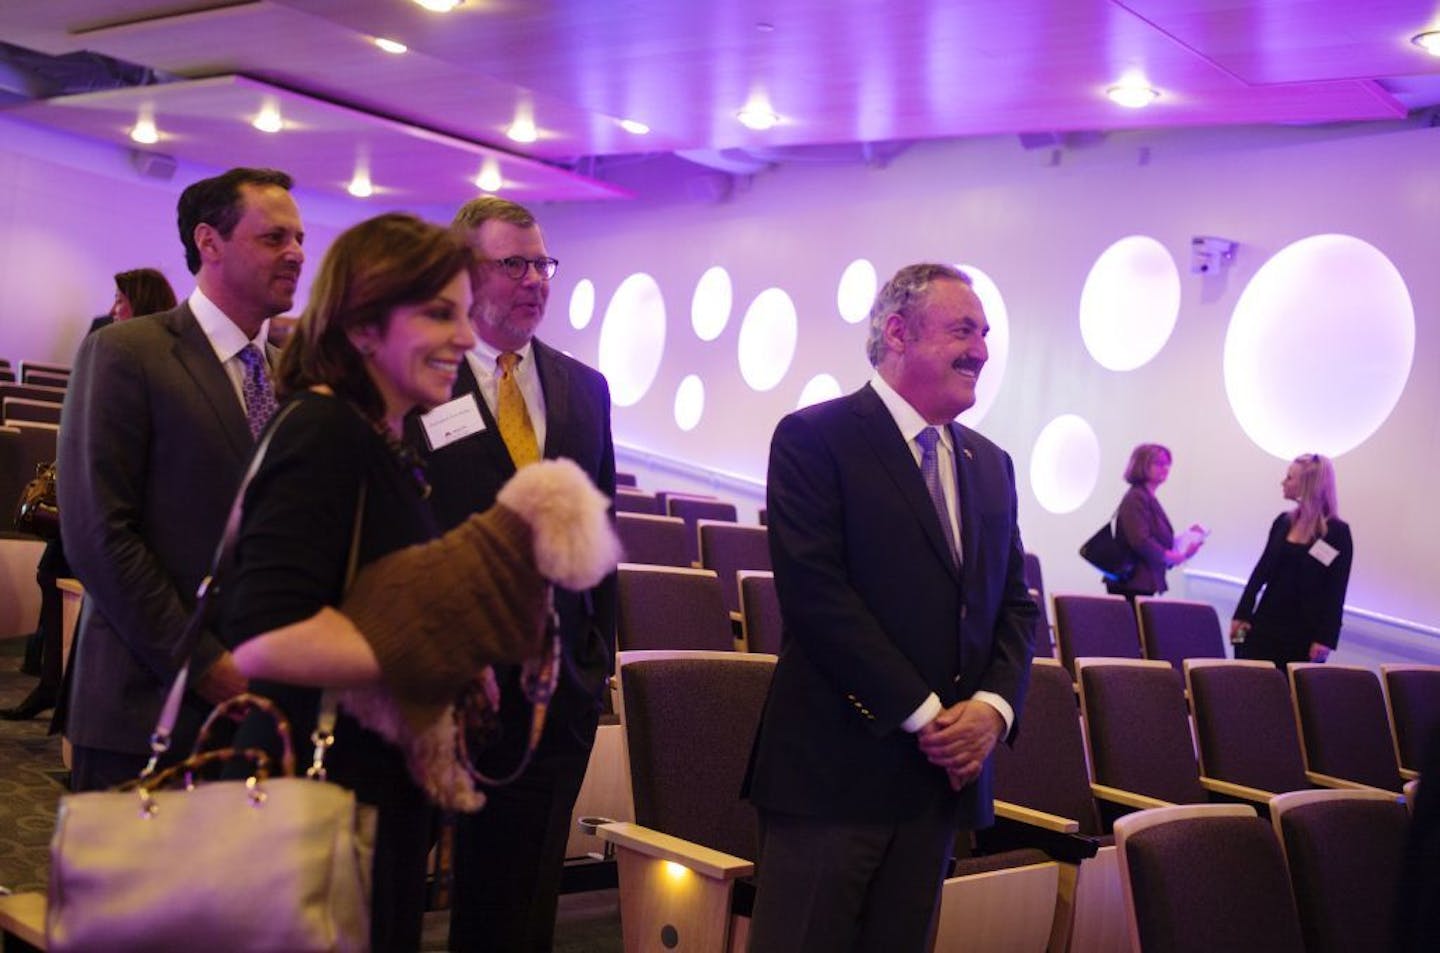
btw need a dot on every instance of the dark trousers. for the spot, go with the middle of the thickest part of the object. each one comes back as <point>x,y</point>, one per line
<point>96,769</point>
<point>829,886</point>
<point>509,858</point>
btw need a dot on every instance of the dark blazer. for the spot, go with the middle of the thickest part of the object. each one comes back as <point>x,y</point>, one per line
<point>466,476</point>
<point>876,615</point>
<point>153,448</point>
<point>1304,599</point>
<point>1144,527</point>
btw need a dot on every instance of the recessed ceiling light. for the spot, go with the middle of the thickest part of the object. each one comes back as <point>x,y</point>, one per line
<point>523,130</point>
<point>1429,41</point>
<point>360,185</point>
<point>144,130</point>
<point>439,6</point>
<point>390,46</point>
<point>634,126</point>
<point>268,119</point>
<point>758,118</point>
<point>489,178</point>
<point>1132,96</point>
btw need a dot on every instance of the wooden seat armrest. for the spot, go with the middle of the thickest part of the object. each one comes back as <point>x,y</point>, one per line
<point>1409,774</point>
<point>1026,815</point>
<point>22,915</point>
<point>709,863</point>
<point>1241,791</point>
<point>1330,781</point>
<point>1126,798</point>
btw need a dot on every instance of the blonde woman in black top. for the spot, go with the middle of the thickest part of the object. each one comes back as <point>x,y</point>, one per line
<point>1301,577</point>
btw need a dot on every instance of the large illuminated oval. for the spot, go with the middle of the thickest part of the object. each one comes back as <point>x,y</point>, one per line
<point>1129,303</point>
<point>632,338</point>
<point>997,344</point>
<point>1064,464</point>
<point>768,333</point>
<point>1319,347</point>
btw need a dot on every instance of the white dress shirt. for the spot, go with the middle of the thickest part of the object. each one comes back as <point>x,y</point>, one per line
<point>227,339</point>
<point>910,422</point>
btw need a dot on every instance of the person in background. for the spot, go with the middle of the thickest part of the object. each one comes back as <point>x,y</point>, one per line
<point>536,402</point>
<point>1141,524</point>
<point>907,643</point>
<point>160,416</point>
<point>139,291</point>
<point>1302,575</point>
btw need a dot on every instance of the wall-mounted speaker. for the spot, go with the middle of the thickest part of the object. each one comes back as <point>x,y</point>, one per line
<point>153,165</point>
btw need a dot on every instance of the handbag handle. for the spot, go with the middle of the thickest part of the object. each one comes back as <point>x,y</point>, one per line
<point>241,705</point>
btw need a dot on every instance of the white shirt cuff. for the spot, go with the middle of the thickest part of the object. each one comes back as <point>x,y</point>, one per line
<point>923,715</point>
<point>999,704</point>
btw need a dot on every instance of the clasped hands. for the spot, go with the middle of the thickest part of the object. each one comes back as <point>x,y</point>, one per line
<point>960,738</point>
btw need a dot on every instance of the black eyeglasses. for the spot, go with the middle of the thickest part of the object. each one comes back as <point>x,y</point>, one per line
<point>516,266</point>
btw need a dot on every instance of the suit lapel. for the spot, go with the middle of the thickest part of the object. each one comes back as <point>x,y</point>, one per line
<point>196,355</point>
<point>895,456</point>
<point>555,385</point>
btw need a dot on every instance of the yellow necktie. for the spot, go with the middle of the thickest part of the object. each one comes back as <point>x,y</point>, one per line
<point>510,414</point>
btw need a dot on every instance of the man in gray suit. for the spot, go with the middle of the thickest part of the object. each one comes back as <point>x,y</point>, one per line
<point>160,418</point>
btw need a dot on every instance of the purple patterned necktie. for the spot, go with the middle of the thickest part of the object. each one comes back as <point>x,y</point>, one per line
<point>930,470</point>
<point>259,395</point>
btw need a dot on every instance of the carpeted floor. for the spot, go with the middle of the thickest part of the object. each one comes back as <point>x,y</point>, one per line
<point>32,778</point>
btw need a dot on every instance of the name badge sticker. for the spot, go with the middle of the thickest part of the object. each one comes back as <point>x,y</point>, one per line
<point>451,421</point>
<point>1324,552</point>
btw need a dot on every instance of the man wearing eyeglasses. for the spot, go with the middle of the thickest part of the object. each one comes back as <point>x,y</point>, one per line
<point>534,401</point>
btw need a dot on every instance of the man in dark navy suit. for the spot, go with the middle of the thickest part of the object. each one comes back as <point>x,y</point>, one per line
<point>906,649</point>
<point>509,856</point>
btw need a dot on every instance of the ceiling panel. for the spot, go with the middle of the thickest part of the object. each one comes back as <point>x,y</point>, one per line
<point>835,71</point>
<point>208,121</point>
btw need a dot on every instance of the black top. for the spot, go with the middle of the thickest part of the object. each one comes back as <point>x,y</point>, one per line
<point>1303,597</point>
<point>290,562</point>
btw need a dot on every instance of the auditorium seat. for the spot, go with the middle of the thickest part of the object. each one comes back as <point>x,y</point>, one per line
<point>15,410</point>
<point>1205,878</point>
<point>655,540</point>
<point>636,501</point>
<point>1345,851</point>
<point>1173,630</point>
<point>56,395</point>
<point>1344,728</point>
<point>1245,724</point>
<point>625,479</point>
<point>689,721</point>
<point>1412,693</point>
<point>692,509</point>
<point>1094,627</point>
<point>761,622</point>
<point>669,607</point>
<point>728,547</point>
<point>47,378</point>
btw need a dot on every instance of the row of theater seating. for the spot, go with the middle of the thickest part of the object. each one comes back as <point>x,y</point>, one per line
<point>34,372</point>
<point>1050,876</point>
<point>29,425</point>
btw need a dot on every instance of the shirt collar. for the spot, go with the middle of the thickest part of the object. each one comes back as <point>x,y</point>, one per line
<point>225,335</point>
<point>907,418</point>
<point>488,354</point>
